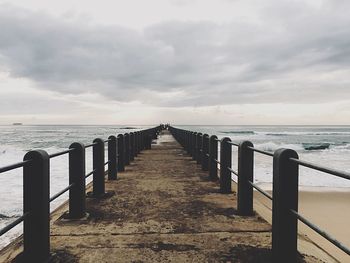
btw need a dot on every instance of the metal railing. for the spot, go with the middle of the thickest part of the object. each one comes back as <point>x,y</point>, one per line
<point>284,196</point>
<point>36,178</point>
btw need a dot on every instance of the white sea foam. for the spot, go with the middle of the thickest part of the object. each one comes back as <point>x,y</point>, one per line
<point>271,138</point>
<point>272,146</point>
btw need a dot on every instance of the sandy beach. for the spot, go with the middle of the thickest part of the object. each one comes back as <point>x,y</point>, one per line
<point>328,209</point>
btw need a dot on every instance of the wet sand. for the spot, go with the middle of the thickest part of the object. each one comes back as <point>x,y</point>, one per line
<point>329,210</point>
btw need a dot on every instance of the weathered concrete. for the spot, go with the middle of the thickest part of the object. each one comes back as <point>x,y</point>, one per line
<point>164,210</point>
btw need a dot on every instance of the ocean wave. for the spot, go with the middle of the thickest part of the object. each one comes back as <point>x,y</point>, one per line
<point>237,132</point>
<point>329,133</point>
<point>273,146</point>
<point>276,134</point>
<point>295,133</point>
<point>285,133</point>
<point>316,146</point>
<point>341,147</point>
<point>3,216</point>
<point>321,146</point>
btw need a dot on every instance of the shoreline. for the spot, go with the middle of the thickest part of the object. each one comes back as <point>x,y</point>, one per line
<point>316,189</point>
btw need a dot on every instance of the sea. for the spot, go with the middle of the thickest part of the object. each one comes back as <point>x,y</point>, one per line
<point>325,145</point>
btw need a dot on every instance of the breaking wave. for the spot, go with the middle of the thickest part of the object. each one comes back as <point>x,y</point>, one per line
<point>238,132</point>
<point>273,146</point>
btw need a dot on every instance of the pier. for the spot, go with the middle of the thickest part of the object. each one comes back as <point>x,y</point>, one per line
<point>165,197</point>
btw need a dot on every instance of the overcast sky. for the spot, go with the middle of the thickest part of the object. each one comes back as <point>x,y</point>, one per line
<point>177,61</point>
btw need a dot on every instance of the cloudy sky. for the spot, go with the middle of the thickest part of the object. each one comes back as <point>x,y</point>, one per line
<point>177,61</point>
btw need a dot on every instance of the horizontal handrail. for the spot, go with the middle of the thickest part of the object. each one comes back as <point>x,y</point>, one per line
<point>90,145</point>
<point>61,153</point>
<point>260,190</point>
<point>13,224</point>
<point>13,166</point>
<point>87,175</point>
<point>233,143</point>
<point>321,232</point>
<point>261,151</point>
<point>232,171</point>
<point>61,192</point>
<point>320,168</point>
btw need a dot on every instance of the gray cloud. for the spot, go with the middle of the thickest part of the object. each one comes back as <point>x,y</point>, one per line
<point>294,53</point>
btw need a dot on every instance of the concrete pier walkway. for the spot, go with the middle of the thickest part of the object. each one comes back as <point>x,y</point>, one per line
<point>163,209</point>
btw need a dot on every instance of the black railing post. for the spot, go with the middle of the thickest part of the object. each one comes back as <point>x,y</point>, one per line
<point>132,146</point>
<point>77,178</point>
<point>205,152</point>
<point>145,141</point>
<point>245,174</point>
<point>36,194</point>
<point>285,197</point>
<point>188,139</point>
<point>149,142</point>
<point>126,149</point>
<point>142,140</point>
<point>138,141</point>
<point>133,152</point>
<point>112,158</point>
<point>225,163</point>
<point>182,138</point>
<point>120,147</point>
<point>213,155</point>
<point>194,146</point>
<point>135,144</point>
<point>98,156</point>
<point>190,143</point>
<point>199,147</point>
